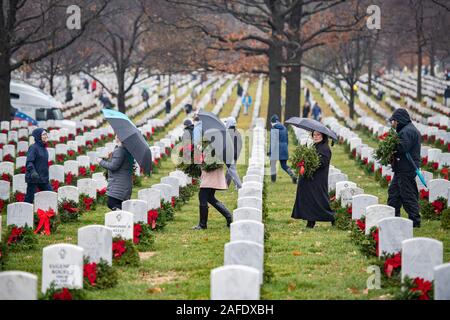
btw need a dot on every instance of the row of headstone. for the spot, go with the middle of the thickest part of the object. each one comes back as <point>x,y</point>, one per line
<point>242,274</point>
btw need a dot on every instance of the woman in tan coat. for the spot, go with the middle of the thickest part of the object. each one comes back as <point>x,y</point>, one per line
<point>210,182</point>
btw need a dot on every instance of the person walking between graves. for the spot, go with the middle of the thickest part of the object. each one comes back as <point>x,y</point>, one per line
<point>168,106</point>
<point>240,90</point>
<point>211,181</point>
<point>317,112</point>
<point>188,108</point>
<point>278,151</point>
<point>94,85</point>
<point>247,102</point>
<point>312,201</point>
<point>213,96</point>
<point>37,175</point>
<point>188,133</point>
<point>447,95</point>
<point>306,110</point>
<point>232,173</point>
<point>120,176</point>
<point>86,85</point>
<point>145,96</point>
<point>403,188</point>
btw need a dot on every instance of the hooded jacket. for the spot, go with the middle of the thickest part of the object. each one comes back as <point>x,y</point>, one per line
<point>37,160</point>
<point>278,141</point>
<point>410,140</point>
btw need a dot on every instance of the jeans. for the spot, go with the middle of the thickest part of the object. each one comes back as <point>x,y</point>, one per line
<point>114,204</point>
<point>232,174</point>
<point>284,166</point>
<point>31,190</point>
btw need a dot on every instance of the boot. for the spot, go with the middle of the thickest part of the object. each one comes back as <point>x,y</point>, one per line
<point>203,218</point>
<point>310,224</point>
<point>273,177</point>
<point>225,212</point>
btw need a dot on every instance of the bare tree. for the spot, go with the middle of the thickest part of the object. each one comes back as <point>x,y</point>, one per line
<point>24,24</point>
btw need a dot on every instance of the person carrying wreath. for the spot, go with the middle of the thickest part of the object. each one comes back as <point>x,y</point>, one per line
<point>212,179</point>
<point>312,202</point>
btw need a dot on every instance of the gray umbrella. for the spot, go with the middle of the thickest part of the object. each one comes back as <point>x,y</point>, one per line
<point>131,137</point>
<point>311,125</point>
<point>214,130</point>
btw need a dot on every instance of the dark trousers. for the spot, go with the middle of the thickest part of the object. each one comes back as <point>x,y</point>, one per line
<point>207,195</point>
<point>403,192</point>
<point>31,190</point>
<point>114,204</point>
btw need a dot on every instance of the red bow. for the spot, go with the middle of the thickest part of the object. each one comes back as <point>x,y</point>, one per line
<point>71,153</point>
<point>69,178</point>
<point>349,210</point>
<point>23,169</point>
<point>55,185</point>
<point>82,171</point>
<point>361,225</point>
<point>6,177</point>
<point>424,194</point>
<point>2,204</point>
<point>137,233</point>
<point>50,163</point>
<point>152,215</point>
<point>90,272</point>
<point>101,192</point>
<point>88,202</point>
<point>22,153</point>
<point>173,202</point>
<point>60,158</point>
<point>423,286</point>
<point>392,263</point>
<point>376,238</point>
<point>63,295</point>
<point>93,167</point>
<point>70,209</point>
<point>438,206</point>
<point>118,248</point>
<point>20,197</point>
<point>15,235</point>
<point>44,220</point>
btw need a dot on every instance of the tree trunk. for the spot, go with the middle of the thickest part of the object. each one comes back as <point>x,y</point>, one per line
<point>351,104</point>
<point>432,59</point>
<point>370,72</point>
<point>293,93</point>
<point>5,79</point>
<point>51,77</point>
<point>275,77</point>
<point>121,91</point>
<point>419,74</point>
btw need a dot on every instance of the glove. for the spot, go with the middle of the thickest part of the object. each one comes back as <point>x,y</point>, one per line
<point>34,175</point>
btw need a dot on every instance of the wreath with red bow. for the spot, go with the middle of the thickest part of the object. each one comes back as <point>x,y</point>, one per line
<point>125,252</point>
<point>69,211</point>
<point>20,238</point>
<point>99,275</point>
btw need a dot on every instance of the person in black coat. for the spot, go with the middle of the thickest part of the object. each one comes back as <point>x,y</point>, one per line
<point>403,188</point>
<point>447,95</point>
<point>312,202</point>
<point>168,106</point>
<point>306,110</point>
<point>36,175</point>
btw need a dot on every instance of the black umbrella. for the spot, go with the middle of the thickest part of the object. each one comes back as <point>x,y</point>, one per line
<point>312,125</point>
<point>214,130</point>
<point>131,137</point>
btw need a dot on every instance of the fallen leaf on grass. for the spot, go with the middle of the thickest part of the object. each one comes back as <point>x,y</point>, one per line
<point>155,290</point>
<point>297,253</point>
<point>205,239</point>
<point>353,290</point>
<point>291,287</point>
<point>366,291</point>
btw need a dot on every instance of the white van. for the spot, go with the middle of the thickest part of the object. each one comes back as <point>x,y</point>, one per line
<point>34,102</point>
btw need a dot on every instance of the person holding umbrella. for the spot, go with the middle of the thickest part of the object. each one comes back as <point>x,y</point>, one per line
<point>403,188</point>
<point>312,201</point>
<point>232,173</point>
<point>120,176</point>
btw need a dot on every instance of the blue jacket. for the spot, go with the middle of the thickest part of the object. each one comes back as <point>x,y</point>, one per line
<point>37,160</point>
<point>279,142</point>
<point>247,100</point>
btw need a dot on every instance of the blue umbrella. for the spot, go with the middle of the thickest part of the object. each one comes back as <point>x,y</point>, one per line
<point>131,137</point>
<point>418,172</point>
